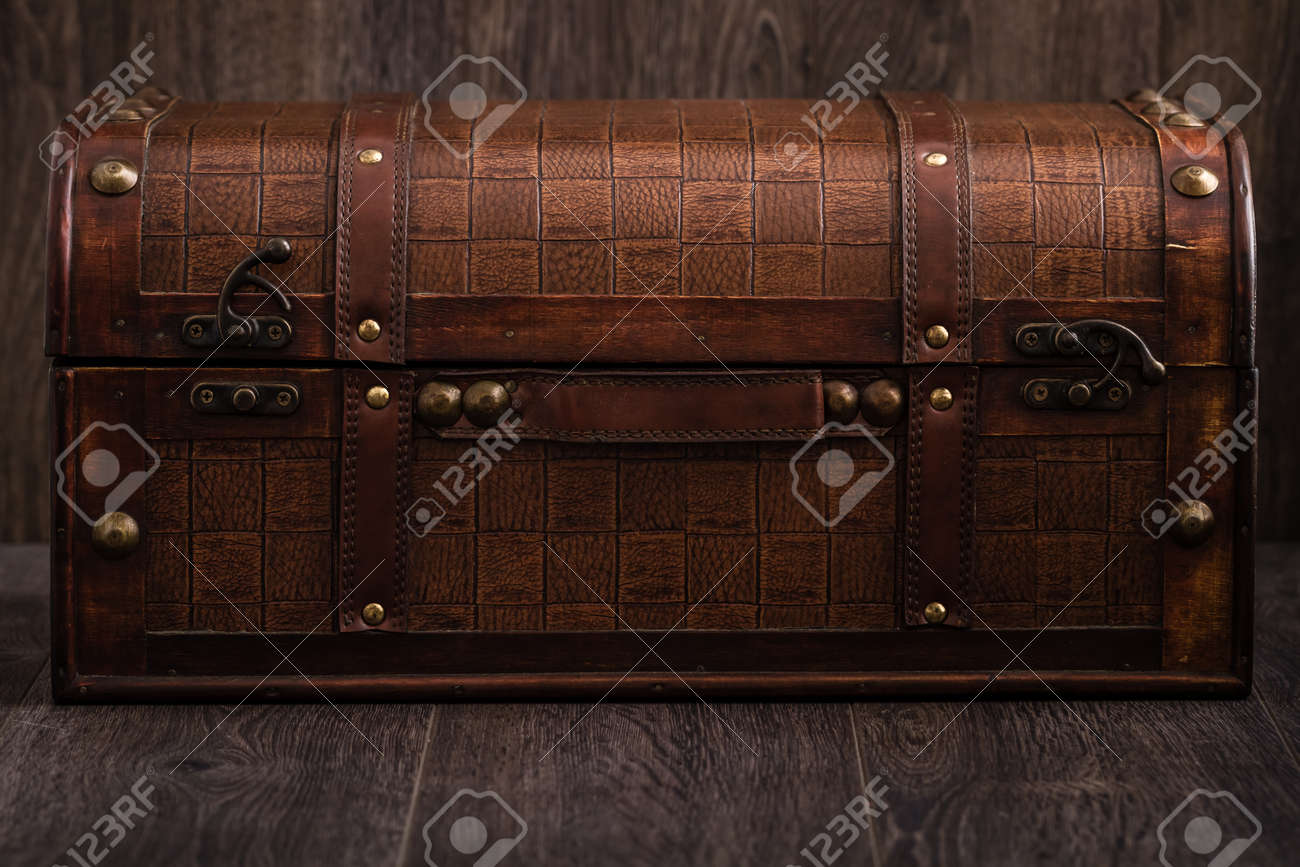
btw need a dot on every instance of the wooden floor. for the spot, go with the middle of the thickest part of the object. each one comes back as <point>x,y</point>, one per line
<point>654,784</point>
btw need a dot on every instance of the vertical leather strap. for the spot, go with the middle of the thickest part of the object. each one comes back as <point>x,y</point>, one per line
<point>1199,276</point>
<point>373,180</point>
<point>936,219</point>
<point>372,525</point>
<point>940,493</point>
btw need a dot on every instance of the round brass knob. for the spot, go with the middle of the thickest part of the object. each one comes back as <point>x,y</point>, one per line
<point>115,535</point>
<point>1079,393</point>
<point>1194,181</point>
<point>841,401</point>
<point>941,399</point>
<point>244,398</point>
<point>484,401</point>
<point>1195,524</point>
<point>936,336</point>
<point>369,330</point>
<point>373,614</point>
<point>377,397</point>
<point>438,404</point>
<point>113,176</point>
<point>936,612</point>
<point>882,403</point>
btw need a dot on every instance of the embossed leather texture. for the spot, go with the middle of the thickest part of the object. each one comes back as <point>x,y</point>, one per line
<point>645,365</point>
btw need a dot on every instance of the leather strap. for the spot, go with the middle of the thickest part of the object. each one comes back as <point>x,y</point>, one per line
<point>374,491</point>
<point>371,249</point>
<point>655,407</point>
<point>1199,281</point>
<point>936,220</point>
<point>940,493</point>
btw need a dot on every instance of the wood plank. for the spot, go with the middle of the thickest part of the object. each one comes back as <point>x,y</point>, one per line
<point>272,785</point>
<point>645,784</point>
<point>1027,783</point>
<point>24,624</point>
<point>1277,617</point>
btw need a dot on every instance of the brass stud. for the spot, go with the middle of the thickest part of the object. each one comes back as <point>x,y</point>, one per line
<point>882,403</point>
<point>941,399</point>
<point>1195,523</point>
<point>373,614</point>
<point>244,398</point>
<point>113,176</point>
<point>370,156</point>
<point>936,336</point>
<point>841,401</point>
<point>115,535</point>
<point>369,330</point>
<point>284,398</point>
<point>1194,181</point>
<point>1161,107</point>
<point>1144,95</point>
<point>121,114</point>
<point>206,396</point>
<point>1079,393</point>
<point>377,397</point>
<point>936,612</point>
<point>438,404</point>
<point>935,159</point>
<point>274,332</point>
<point>1183,118</point>
<point>484,401</point>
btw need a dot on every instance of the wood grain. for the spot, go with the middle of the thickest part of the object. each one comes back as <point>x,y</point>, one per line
<point>57,51</point>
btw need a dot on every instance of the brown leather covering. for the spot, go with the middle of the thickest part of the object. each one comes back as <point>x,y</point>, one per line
<point>374,496</point>
<point>656,407</point>
<point>372,226</point>
<point>940,494</point>
<point>936,224</point>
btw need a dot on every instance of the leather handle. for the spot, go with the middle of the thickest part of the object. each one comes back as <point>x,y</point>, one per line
<point>651,407</point>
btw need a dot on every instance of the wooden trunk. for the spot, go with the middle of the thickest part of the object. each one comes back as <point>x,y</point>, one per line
<point>755,406</point>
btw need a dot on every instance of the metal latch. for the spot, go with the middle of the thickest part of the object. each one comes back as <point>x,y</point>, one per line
<point>246,398</point>
<point>247,332</point>
<point>1097,338</point>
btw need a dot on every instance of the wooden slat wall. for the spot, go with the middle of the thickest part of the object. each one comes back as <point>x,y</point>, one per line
<point>56,51</point>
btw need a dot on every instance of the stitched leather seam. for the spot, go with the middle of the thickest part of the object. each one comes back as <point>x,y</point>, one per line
<point>967,528</point>
<point>343,289</point>
<point>397,279</point>
<point>961,163</point>
<point>915,432</point>
<point>907,152</point>
<point>351,443</point>
<point>402,483</point>
<point>695,433</point>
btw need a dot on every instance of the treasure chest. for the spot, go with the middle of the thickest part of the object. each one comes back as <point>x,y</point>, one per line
<point>669,398</point>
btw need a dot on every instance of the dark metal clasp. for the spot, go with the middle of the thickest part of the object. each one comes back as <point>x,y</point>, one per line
<point>1093,337</point>
<point>228,327</point>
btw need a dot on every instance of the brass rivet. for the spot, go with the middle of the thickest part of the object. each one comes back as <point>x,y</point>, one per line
<point>113,176</point>
<point>274,332</point>
<point>941,399</point>
<point>882,403</point>
<point>484,401</point>
<point>1144,95</point>
<point>1115,394</point>
<point>1161,107</point>
<point>936,612</point>
<point>121,114</point>
<point>437,404</point>
<point>115,535</point>
<point>1183,118</point>
<point>935,159</point>
<point>368,330</point>
<point>936,336</point>
<point>377,397</point>
<point>841,401</point>
<point>370,156</point>
<point>244,398</point>
<point>373,614</point>
<point>196,331</point>
<point>206,395</point>
<point>1194,181</point>
<point>1195,523</point>
<point>284,398</point>
<point>1039,393</point>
